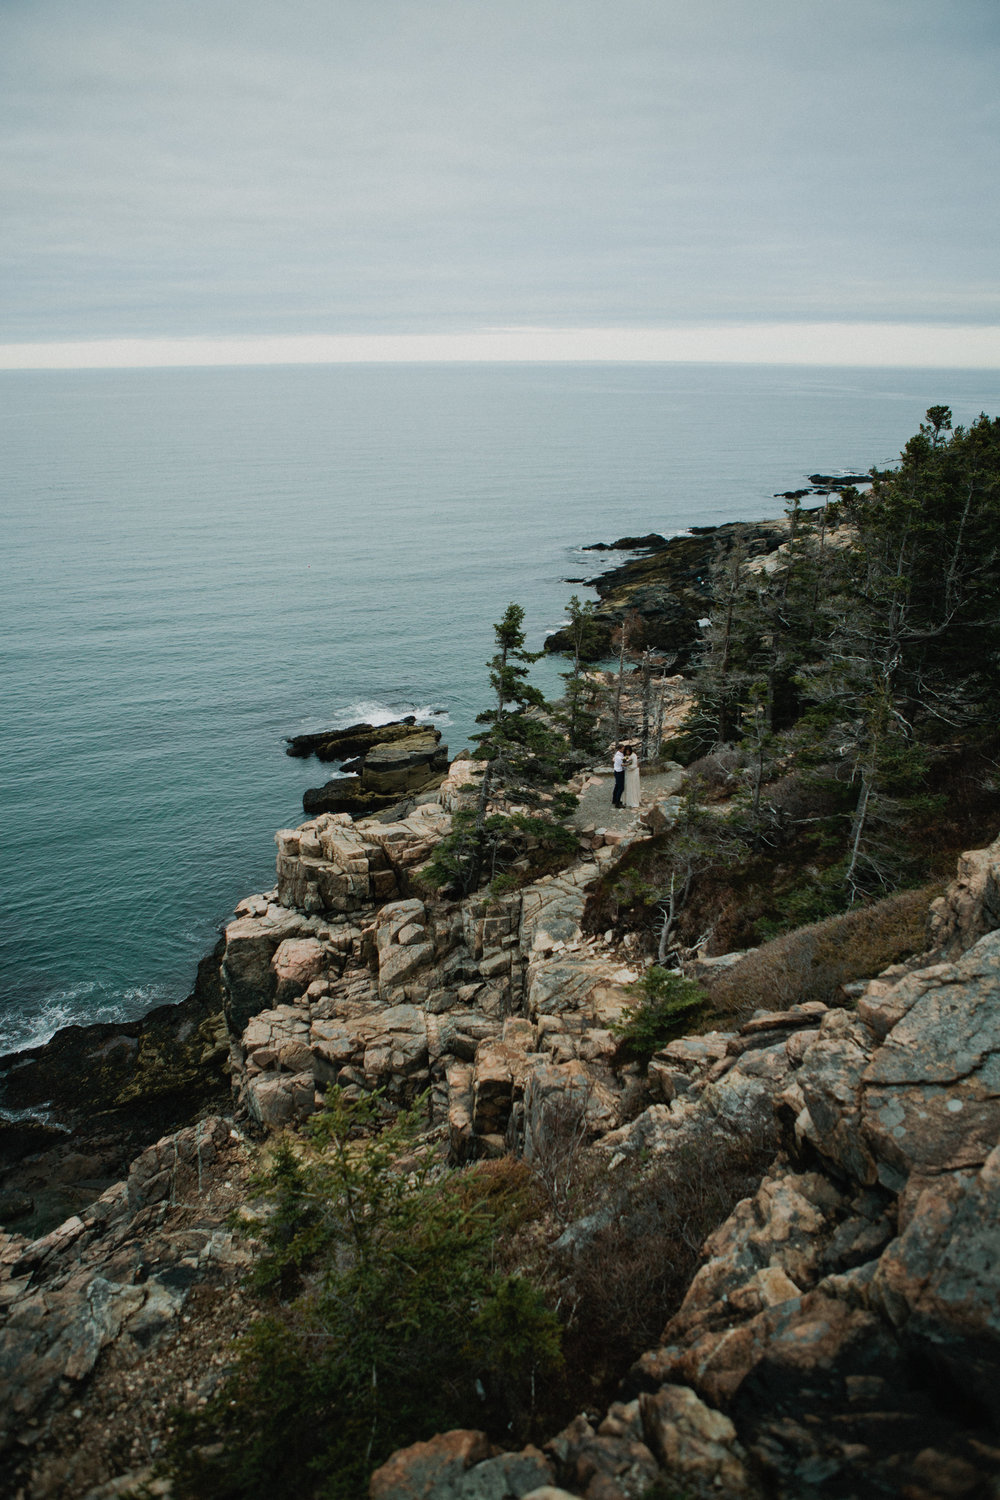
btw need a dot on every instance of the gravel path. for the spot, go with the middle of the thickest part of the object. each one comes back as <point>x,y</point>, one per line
<point>596,811</point>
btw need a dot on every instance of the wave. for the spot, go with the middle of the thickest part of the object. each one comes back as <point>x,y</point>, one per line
<point>39,1114</point>
<point>375,711</point>
<point>87,1004</point>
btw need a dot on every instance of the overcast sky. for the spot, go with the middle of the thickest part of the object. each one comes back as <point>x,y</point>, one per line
<point>232,169</point>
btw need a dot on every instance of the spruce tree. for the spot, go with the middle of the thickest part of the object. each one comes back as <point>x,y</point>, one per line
<point>522,755</point>
<point>579,716</point>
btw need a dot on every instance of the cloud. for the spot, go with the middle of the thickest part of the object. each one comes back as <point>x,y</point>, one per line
<point>422,165</point>
<point>761,343</point>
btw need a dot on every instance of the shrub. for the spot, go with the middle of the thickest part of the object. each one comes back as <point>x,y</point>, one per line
<point>818,895</point>
<point>560,1163</point>
<point>668,1003</point>
<point>398,1317</point>
<point>509,849</point>
<point>564,803</point>
<point>716,776</point>
<point>631,1275</point>
<point>813,962</point>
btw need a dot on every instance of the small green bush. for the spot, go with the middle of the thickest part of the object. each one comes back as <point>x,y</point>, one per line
<point>633,889</point>
<point>669,1003</point>
<point>400,1324</point>
<point>818,895</point>
<point>463,859</point>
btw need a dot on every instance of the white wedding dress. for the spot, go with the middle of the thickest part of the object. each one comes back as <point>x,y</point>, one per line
<point>632,781</point>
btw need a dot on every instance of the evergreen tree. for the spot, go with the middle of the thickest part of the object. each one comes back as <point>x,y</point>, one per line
<point>387,1313</point>
<point>914,647</point>
<point>579,715</point>
<point>729,650</point>
<point>523,755</point>
<point>509,669</point>
<point>625,637</point>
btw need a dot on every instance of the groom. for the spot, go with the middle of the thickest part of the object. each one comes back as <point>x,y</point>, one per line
<point>618,766</point>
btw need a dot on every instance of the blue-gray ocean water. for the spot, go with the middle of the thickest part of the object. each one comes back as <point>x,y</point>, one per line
<point>197,563</point>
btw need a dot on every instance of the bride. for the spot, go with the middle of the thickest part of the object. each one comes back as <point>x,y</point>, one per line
<point>631,778</point>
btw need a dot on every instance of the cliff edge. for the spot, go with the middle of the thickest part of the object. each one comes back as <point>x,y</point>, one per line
<point>840,1334</point>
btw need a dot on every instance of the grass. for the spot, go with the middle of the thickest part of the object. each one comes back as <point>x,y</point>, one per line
<point>813,962</point>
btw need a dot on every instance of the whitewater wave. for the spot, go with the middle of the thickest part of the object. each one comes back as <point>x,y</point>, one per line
<point>40,1114</point>
<point>376,711</point>
<point>87,1004</point>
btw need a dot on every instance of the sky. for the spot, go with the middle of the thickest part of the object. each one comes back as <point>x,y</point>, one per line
<point>198,181</point>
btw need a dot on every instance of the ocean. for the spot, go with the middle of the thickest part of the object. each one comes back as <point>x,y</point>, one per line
<point>198,563</point>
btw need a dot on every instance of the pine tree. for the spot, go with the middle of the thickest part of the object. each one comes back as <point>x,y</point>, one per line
<point>522,754</point>
<point>579,715</point>
<point>625,638</point>
<point>914,651</point>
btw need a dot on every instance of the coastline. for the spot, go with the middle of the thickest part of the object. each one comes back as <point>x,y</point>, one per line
<point>842,1136</point>
<point>167,762</point>
<point>143,1076</point>
<point>667,582</point>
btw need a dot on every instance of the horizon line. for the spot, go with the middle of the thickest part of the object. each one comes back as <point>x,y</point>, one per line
<point>888,345</point>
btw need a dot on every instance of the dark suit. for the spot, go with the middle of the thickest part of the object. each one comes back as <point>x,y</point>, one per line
<point>616,795</point>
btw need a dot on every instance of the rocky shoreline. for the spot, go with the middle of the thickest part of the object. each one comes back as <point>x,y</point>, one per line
<point>379,766</point>
<point>669,585</point>
<point>840,1335</point>
<point>79,1108</point>
<point>668,581</point>
<point>833,1309</point>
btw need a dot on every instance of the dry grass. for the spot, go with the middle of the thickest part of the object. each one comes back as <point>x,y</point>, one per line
<point>813,962</point>
<point>629,1278</point>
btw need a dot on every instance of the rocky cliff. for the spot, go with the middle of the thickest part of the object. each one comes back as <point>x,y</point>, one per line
<point>840,1336</point>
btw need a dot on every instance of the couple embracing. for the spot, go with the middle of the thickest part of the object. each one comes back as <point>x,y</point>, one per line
<point>626,768</point>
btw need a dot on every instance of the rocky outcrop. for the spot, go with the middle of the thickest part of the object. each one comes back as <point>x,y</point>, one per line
<point>120,1276</point>
<point>809,1352</point>
<point>342,744</point>
<point>669,585</point>
<point>382,766</point>
<point>77,1110</point>
<point>651,542</point>
<point>490,1006</point>
<point>842,1335</point>
<point>462,1464</point>
<point>847,1317</point>
<point>334,865</point>
<point>970,907</point>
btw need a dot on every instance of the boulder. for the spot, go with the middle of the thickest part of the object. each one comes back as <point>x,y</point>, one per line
<point>423,1469</point>
<point>692,1441</point>
<point>932,1090</point>
<point>278,1099</point>
<point>612,1463</point>
<point>357,739</point>
<point>395,1052</point>
<point>113,1278</point>
<point>296,963</point>
<point>395,763</point>
<point>249,981</point>
<point>406,765</point>
<point>971,905</point>
<point>830,1083</point>
<point>564,1106</point>
<point>937,1283</point>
